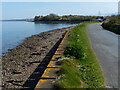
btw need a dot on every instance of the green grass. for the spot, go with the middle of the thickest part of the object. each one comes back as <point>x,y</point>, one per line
<point>81,69</point>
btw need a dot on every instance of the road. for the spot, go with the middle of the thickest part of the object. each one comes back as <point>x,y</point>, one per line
<point>105,45</point>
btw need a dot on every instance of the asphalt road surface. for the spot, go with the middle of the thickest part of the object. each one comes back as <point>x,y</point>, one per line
<point>105,45</point>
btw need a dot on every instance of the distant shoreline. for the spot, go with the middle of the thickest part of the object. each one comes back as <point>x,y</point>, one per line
<point>15,20</point>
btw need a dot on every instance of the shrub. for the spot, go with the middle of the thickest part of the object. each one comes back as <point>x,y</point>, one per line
<point>74,50</point>
<point>111,27</point>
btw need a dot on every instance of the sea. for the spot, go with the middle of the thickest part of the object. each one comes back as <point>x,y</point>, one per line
<point>14,32</point>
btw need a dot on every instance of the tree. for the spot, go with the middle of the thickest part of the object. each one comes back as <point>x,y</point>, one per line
<point>51,17</point>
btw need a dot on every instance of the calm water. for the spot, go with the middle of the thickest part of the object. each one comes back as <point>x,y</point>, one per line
<point>14,32</point>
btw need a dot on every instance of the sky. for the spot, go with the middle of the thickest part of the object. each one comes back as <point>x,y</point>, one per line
<point>19,10</point>
<point>60,0</point>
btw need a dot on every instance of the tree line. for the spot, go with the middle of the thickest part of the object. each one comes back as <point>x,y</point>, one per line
<point>54,17</point>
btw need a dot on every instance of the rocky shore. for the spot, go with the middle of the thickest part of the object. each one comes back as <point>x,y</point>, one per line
<point>19,63</point>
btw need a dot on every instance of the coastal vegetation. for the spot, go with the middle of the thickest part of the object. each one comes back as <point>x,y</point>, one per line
<point>70,18</point>
<point>112,23</point>
<point>80,67</point>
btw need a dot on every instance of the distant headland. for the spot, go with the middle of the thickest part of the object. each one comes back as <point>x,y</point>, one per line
<point>70,18</point>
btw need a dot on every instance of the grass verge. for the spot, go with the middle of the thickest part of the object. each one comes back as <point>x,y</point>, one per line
<point>81,68</point>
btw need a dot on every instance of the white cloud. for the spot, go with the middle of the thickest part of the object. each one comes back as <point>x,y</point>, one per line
<point>60,0</point>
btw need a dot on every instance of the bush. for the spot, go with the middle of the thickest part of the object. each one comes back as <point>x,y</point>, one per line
<point>111,27</point>
<point>112,23</point>
<point>74,50</point>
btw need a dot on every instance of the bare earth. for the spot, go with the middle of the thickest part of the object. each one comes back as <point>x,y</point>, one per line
<point>105,44</point>
<point>20,62</point>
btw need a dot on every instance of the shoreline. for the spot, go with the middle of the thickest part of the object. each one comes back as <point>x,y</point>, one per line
<point>20,62</point>
<point>9,49</point>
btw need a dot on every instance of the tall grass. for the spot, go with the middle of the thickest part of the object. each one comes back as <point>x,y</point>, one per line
<point>81,69</point>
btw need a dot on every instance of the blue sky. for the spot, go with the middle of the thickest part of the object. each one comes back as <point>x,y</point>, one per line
<point>12,10</point>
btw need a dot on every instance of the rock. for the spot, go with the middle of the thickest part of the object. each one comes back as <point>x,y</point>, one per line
<point>34,62</point>
<point>35,53</point>
<point>10,49</point>
<point>16,72</point>
<point>10,81</point>
<point>11,59</point>
<point>44,47</point>
<point>30,56</point>
<point>18,81</point>
<point>26,64</point>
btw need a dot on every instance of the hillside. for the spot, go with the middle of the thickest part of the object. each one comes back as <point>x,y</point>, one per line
<point>112,23</point>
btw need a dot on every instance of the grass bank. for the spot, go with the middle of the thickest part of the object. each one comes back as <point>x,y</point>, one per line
<point>112,23</point>
<point>81,68</point>
<point>111,26</point>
